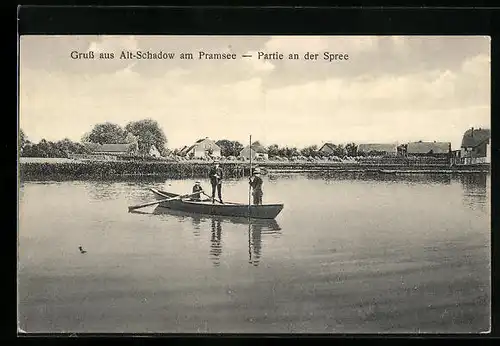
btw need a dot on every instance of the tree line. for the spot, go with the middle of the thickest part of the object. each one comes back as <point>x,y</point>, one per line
<point>233,148</point>
<point>146,133</point>
<point>143,133</point>
<point>46,148</point>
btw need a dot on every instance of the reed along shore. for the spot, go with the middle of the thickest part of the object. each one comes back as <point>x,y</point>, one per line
<point>179,170</point>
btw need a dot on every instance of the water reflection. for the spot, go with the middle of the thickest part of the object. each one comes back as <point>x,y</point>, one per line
<point>256,229</point>
<point>254,244</point>
<point>216,242</point>
<point>196,225</point>
<point>103,190</point>
<point>419,178</point>
<point>475,190</point>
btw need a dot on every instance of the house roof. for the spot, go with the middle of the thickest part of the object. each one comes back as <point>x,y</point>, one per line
<point>427,147</point>
<point>474,137</point>
<point>257,147</point>
<point>331,146</point>
<point>187,149</point>
<point>200,140</point>
<point>380,147</point>
<point>112,148</point>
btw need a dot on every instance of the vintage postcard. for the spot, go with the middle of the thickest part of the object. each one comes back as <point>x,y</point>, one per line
<point>254,184</point>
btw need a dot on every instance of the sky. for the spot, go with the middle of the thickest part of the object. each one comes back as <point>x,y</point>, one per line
<point>391,89</point>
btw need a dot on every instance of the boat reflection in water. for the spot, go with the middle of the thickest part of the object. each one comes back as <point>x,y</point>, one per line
<point>256,228</point>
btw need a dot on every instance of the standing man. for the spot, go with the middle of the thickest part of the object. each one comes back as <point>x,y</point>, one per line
<point>256,184</point>
<point>216,175</point>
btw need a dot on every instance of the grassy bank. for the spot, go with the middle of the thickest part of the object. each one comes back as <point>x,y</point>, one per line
<point>177,170</point>
<point>103,169</point>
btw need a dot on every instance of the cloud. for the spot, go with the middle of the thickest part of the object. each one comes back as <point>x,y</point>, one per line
<point>295,44</point>
<point>392,88</point>
<point>113,44</point>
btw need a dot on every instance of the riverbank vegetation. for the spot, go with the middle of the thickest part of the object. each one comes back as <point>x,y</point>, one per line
<point>66,159</point>
<point>174,170</point>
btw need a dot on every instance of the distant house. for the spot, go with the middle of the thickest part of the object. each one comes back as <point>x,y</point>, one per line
<point>154,152</point>
<point>403,150</point>
<point>327,149</point>
<point>109,151</point>
<point>456,157</point>
<point>378,149</point>
<point>256,151</point>
<point>434,149</point>
<point>476,147</point>
<point>202,148</point>
<point>115,149</point>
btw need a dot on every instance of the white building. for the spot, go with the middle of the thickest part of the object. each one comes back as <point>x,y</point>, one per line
<point>202,148</point>
<point>154,152</point>
<point>256,151</point>
<point>476,146</point>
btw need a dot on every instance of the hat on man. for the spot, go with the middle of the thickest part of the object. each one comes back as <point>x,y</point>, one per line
<point>197,182</point>
<point>256,171</point>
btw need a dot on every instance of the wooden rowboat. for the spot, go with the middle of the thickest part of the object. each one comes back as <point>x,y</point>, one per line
<point>265,211</point>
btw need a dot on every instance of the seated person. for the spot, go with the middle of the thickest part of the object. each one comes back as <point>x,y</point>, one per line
<point>196,188</point>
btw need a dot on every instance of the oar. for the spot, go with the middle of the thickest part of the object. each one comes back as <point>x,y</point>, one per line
<point>219,201</point>
<point>160,201</point>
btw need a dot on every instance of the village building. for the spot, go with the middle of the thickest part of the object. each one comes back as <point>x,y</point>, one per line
<point>429,149</point>
<point>257,151</point>
<point>456,157</point>
<point>202,148</point>
<point>327,149</point>
<point>154,152</point>
<point>114,149</point>
<point>476,146</point>
<point>402,150</point>
<point>378,149</point>
<point>106,152</point>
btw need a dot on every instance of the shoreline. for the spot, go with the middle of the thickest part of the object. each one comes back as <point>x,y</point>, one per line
<point>85,170</point>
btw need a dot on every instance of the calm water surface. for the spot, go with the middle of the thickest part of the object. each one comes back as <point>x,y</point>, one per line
<point>346,255</point>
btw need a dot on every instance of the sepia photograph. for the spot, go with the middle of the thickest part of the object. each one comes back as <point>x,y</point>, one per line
<point>254,184</point>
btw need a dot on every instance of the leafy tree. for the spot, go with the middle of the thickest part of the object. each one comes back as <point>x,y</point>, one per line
<point>351,149</point>
<point>229,148</point>
<point>70,147</point>
<point>288,152</point>
<point>50,149</point>
<point>148,133</point>
<point>22,139</point>
<point>176,151</point>
<point>339,150</point>
<point>311,150</point>
<point>105,133</point>
<point>130,138</point>
<point>273,150</point>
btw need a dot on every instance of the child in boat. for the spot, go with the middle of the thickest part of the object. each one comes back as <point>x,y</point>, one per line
<point>196,188</point>
<point>256,184</point>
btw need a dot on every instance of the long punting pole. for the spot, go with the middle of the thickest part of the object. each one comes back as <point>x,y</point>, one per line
<point>250,175</point>
<point>249,200</point>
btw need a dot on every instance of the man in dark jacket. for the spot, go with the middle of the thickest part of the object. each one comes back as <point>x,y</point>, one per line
<point>216,175</point>
<point>256,184</point>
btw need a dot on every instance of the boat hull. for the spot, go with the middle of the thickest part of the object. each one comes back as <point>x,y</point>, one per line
<point>266,211</point>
